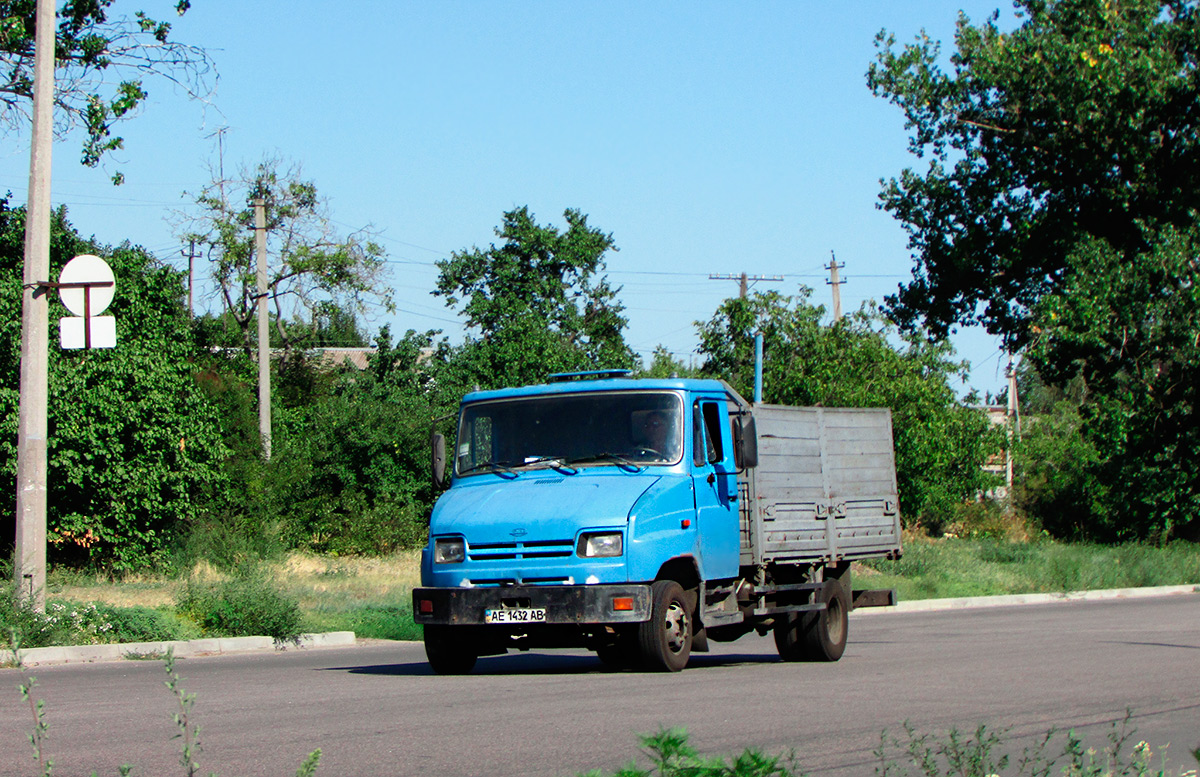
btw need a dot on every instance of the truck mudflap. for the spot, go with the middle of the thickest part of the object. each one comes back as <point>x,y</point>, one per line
<point>532,604</point>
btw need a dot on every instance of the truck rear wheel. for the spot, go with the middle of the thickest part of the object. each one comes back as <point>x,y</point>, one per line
<point>449,650</point>
<point>665,641</point>
<point>816,636</point>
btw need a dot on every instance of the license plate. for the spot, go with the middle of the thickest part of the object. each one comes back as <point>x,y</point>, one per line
<point>521,615</point>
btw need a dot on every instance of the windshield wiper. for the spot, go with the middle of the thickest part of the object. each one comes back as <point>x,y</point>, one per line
<point>557,463</point>
<point>615,458</point>
<point>501,468</point>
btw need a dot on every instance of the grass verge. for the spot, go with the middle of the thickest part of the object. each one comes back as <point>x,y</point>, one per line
<point>369,596</point>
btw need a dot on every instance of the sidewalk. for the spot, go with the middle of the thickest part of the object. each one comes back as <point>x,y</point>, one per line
<point>78,654</point>
<point>1011,600</point>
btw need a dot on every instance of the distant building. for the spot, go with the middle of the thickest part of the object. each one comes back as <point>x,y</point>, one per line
<point>997,463</point>
<point>359,358</point>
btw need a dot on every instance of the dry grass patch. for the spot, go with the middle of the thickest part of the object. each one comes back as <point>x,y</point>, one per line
<point>135,591</point>
<point>318,581</point>
<point>333,581</point>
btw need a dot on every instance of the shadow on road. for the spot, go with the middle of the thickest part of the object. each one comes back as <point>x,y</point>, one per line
<point>549,664</point>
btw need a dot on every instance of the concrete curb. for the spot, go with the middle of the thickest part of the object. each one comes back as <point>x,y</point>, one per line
<point>1012,600</point>
<point>82,654</point>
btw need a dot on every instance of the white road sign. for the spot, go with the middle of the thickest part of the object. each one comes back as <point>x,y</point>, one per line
<point>86,287</point>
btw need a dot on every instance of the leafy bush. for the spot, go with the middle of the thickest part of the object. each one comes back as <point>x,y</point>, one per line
<point>248,604</point>
<point>134,450</point>
<point>1055,483</point>
<point>143,624</point>
<point>227,541</point>
<point>988,519</point>
<point>62,623</point>
<point>353,526</point>
<point>349,467</point>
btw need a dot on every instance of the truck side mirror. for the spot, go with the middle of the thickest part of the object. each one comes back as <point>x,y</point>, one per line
<point>438,444</point>
<point>745,444</point>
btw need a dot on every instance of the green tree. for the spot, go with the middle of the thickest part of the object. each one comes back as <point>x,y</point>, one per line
<point>663,364</point>
<point>539,302</point>
<point>101,65</point>
<point>315,273</point>
<point>1059,208</point>
<point>1126,325</point>
<point>941,445</point>
<point>1079,123</point>
<point>352,474</point>
<point>134,448</point>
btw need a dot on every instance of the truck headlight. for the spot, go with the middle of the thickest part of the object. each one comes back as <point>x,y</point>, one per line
<point>600,545</point>
<point>451,550</point>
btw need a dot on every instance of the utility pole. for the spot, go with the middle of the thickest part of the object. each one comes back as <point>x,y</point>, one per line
<point>1014,427</point>
<point>744,281</point>
<point>264,328</point>
<point>29,564</point>
<point>191,255</point>
<point>833,281</point>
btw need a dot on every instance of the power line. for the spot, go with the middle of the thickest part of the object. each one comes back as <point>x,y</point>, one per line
<point>744,280</point>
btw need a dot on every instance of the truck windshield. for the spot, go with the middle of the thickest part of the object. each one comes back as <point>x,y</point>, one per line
<point>629,429</point>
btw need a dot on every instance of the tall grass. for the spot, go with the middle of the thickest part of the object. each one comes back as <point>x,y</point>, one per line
<point>931,569</point>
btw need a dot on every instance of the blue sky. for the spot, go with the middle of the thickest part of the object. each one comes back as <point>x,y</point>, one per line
<point>707,137</point>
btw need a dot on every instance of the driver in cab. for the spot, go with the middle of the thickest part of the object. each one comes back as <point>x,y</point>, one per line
<point>657,436</point>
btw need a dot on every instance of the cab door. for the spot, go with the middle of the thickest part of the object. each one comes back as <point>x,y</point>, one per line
<point>714,483</point>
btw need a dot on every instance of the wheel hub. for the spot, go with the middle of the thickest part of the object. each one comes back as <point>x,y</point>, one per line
<point>676,627</point>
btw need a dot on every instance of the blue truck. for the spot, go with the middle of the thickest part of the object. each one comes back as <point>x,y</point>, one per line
<point>644,518</point>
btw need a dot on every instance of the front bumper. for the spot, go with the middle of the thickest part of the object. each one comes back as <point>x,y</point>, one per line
<point>564,604</point>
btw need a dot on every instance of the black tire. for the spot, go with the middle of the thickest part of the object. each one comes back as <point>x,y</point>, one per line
<point>816,636</point>
<point>665,641</point>
<point>449,650</point>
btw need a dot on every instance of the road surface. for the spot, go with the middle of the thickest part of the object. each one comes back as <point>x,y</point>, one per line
<point>376,709</point>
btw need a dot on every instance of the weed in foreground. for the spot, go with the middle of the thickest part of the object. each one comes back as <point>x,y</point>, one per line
<point>189,731</point>
<point>980,755</point>
<point>977,754</point>
<point>671,756</point>
<point>37,708</point>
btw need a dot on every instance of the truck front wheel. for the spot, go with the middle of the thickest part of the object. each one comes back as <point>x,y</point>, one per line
<point>816,636</point>
<point>449,650</point>
<point>665,641</point>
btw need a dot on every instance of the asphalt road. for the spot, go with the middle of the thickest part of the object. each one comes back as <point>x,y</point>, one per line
<point>376,710</point>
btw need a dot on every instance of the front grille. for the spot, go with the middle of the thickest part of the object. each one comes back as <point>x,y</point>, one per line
<point>507,551</point>
<point>505,582</point>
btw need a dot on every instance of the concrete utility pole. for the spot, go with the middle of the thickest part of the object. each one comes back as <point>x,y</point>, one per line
<point>264,328</point>
<point>744,281</point>
<point>1014,427</point>
<point>29,565</point>
<point>191,255</point>
<point>833,281</point>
